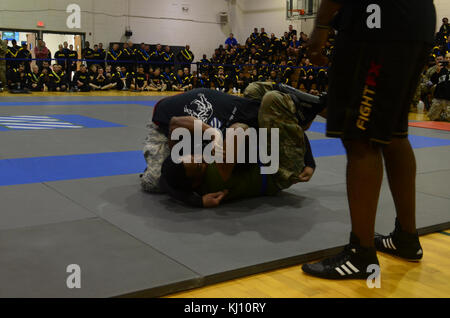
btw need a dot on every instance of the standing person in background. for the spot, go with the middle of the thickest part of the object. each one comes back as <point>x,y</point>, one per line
<point>24,57</point>
<point>185,57</point>
<point>168,58</point>
<point>126,58</point>
<point>87,54</point>
<point>113,56</point>
<point>156,57</point>
<point>3,50</point>
<point>102,53</point>
<point>72,57</point>
<point>60,57</point>
<point>12,55</point>
<point>368,109</point>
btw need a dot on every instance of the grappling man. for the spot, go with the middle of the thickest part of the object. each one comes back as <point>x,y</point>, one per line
<point>264,106</point>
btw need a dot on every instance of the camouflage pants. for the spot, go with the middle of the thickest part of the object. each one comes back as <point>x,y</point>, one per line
<point>278,111</point>
<point>439,110</point>
<point>156,150</point>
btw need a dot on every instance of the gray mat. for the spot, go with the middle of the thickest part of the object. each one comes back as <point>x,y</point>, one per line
<point>132,243</point>
<point>34,260</point>
<point>240,238</point>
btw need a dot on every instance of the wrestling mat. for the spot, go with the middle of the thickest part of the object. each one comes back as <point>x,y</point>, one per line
<point>70,195</point>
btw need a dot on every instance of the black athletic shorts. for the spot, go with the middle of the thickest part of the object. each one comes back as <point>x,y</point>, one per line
<point>371,88</point>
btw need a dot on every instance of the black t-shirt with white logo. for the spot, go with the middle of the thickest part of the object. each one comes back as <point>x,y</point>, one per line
<point>387,20</point>
<point>218,110</point>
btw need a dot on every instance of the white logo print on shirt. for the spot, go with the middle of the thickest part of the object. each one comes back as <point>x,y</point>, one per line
<point>202,109</point>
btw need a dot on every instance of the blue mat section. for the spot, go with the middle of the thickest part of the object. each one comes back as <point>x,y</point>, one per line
<point>68,103</point>
<point>44,169</point>
<point>56,168</point>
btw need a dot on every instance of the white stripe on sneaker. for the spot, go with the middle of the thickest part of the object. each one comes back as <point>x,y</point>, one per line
<point>339,271</point>
<point>392,243</point>
<point>346,269</point>
<point>388,244</point>
<point>353,268</point>
<point>384,243</point>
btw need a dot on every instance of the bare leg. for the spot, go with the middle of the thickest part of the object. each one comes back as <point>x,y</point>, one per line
<point>364,177</point>
<point>400,165</point>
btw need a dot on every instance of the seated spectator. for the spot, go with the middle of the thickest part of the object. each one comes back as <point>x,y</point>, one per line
<point>81,80</point>
<point>231,41</point>
<point>139,83</point>
<point>57,79</point>
<point>168,77</point>
<point>322,79</point>
<point>274,77</point>
<point>156,82</point>
<point>294,47</point>
<point>187,79</point>
<point>101,82</point>
<point>203,81</point>
<point>18,79</point>
<point>178,83</point>
<point>92,72</point>
<point>240,82</point>
<point>44,80</point>
<point>33,79</point>
<point>307,76</point>
<point>119,77</point>
<point>221,80</point>
<point>45,65</point>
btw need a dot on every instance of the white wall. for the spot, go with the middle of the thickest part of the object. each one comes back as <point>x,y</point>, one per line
<point>165,22</point>
<point>105,21</point>
<point>442,10</point>
<point>269,14</point>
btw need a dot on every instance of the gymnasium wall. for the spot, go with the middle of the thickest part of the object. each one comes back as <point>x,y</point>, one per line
<point>270,14</point>
<point>442,10</point>
<point>151,21</point>
<point>164,21</point>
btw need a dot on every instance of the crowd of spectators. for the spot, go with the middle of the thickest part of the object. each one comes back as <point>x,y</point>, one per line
<point>128,67</point>
<point>434,87</point>
<point>231,68</point>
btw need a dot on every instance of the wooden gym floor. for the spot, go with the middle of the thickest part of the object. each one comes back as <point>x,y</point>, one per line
<point>399,279</point>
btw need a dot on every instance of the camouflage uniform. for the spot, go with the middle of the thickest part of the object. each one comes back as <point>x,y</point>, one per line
<point>156,150</point>
<point>3,50</point>
<point>279,111</point>
<point>439,110</point>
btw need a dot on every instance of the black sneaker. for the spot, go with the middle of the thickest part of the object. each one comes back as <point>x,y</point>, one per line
<point>351,263</point>
<point>400,243</point>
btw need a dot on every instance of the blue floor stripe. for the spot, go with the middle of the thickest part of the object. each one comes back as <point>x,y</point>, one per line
<point>56,168</point>
<point>82,103</point>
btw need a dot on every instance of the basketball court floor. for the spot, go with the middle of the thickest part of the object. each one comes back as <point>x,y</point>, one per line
<point>70,194</point>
